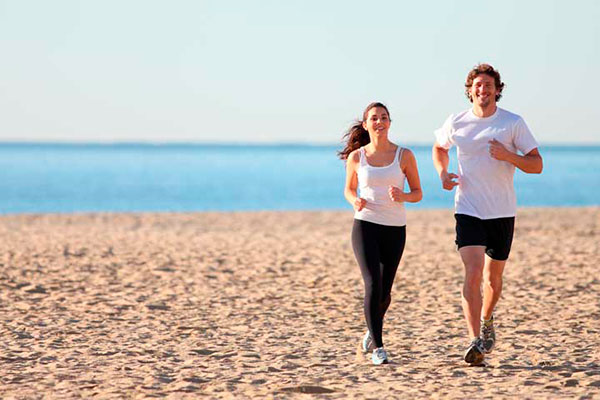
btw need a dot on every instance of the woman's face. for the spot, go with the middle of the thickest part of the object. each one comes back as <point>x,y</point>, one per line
<point>377,121</point>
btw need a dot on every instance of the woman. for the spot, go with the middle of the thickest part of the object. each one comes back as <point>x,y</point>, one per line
<point>377,168</point>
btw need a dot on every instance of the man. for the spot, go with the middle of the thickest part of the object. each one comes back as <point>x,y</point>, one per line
<point>488,140</point>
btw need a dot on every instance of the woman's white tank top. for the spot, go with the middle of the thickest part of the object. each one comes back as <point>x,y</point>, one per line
<point>373,186</point>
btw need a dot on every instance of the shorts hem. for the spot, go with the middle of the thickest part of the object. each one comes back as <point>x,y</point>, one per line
<point>496,258</point>
<point>460,246</point>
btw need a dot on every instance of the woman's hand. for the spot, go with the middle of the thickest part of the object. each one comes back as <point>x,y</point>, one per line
<point>359,204</point>
<point>396,194</point>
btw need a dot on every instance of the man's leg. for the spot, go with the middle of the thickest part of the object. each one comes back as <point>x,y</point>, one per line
<point>492,288</point>
<point>473,258</point>
<point>500,234</point>
<point>492,285</point>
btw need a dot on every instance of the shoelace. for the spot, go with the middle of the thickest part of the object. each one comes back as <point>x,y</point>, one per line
<point>486,330</point>
<point>380,353</point>
<point>478,343</point>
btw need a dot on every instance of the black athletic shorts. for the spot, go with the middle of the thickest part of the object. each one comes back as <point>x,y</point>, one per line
<point>495,234</point>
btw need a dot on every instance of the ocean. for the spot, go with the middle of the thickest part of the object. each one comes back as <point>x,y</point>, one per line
<point>64,178</point>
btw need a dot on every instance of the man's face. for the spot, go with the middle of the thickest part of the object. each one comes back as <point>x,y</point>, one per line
<point>483,91</point>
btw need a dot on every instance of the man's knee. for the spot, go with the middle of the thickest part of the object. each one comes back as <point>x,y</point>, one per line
<point>493,282</point>
<point>473,276</point>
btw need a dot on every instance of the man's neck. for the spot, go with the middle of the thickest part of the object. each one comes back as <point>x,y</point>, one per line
<point>484,112</point>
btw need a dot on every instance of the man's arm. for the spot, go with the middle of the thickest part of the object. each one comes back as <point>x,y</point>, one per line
<point>530,163</point>
<point>440,162</point>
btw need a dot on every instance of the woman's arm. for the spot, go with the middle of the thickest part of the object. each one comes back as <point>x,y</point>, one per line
<point>350,188</point>
<point>408,164</point>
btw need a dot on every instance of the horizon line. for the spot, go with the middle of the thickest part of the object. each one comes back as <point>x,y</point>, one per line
<point>149,143</point>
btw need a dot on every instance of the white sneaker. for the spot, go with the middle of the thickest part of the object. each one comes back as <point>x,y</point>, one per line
<point>379,356</point>
<point>367,343</point>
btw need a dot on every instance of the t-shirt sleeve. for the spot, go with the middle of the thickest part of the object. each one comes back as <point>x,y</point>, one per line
<point>443,135</point>
<point>523,138</point>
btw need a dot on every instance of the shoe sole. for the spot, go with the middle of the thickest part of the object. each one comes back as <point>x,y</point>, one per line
<point>381,363</point>
<point>474,356</point>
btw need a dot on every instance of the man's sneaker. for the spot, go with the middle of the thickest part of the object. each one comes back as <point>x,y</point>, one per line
<point>475,352</point>
<point>379,356</point>
<point>488,335</point>
<point>367,343</point>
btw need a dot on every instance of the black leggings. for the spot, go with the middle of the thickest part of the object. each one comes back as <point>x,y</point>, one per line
<point>378,250</point>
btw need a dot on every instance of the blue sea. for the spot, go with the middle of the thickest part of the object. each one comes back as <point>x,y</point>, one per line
<point>48,177</point>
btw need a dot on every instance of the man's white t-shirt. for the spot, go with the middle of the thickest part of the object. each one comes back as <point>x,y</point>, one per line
<point>485,188</point>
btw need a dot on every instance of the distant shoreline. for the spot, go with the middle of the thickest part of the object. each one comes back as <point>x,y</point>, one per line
<point>348,211</point>
<point>178,144</point>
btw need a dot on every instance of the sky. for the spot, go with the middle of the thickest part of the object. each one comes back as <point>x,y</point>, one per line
<point>288,71</point>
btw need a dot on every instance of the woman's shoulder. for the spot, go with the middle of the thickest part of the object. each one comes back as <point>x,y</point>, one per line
<point>407,151</point>
<point>406,154</point>
<point>354,155</point>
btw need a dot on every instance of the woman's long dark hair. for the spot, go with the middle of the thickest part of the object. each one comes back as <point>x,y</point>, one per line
<point>357,136</point>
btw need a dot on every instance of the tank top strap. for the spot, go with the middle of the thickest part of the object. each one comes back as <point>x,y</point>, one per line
<point>399,152</point>
<point>363,156</point>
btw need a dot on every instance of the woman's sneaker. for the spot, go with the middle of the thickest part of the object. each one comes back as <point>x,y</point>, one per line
<point>475,353</point>
<point>379,356</point>
<point>367,343</point>
<point>488,334</point>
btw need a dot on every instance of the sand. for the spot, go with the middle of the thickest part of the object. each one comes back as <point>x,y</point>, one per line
<point>269,305</point>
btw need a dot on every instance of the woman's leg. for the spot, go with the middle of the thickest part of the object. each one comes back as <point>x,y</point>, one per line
<point>391,246</point>
<point>366,250</point>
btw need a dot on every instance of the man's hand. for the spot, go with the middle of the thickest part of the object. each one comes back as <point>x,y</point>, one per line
<point>498,151</point>
<point>448,181</point>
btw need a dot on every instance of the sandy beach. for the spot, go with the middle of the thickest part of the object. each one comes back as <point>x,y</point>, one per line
<point>269,305</point>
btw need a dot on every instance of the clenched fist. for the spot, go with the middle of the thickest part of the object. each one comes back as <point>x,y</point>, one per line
<point>498,151</point>
<point>396,194</point>
<point>448,181</point>
<point>359,204</point>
